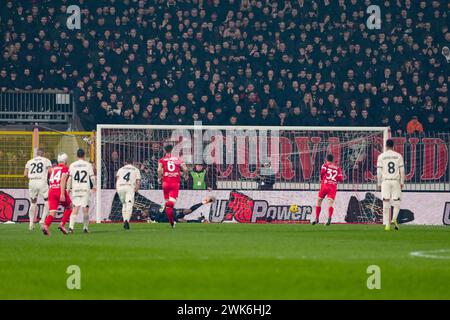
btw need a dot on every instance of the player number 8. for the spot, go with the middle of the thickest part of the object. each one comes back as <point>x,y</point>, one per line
<point>391,167</point>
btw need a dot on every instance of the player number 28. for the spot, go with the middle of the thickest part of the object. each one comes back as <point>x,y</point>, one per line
<point>37,168</point>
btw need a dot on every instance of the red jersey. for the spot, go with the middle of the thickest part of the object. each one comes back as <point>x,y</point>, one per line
<point>171,166</point>
<point>330,174</point>
<point>56,175</point>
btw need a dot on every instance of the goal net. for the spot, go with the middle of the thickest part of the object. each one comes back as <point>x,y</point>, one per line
<point>255,173</point>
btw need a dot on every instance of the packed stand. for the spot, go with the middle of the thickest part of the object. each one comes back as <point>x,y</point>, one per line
<point>269,63</point>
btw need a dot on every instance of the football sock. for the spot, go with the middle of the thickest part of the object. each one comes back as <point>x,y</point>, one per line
<point>49,220</point>
<point>86,220</point>
<point>72,222</point>
<point>32,213</point>
<point>73,216</point>
<point>45,213</point>
<point>127,211</point>
<point>318,209</point>
<point>396,209</point>
<point>386,212</point>
<point>330,212</point>
<point>66,216</point>
<point>169,211</point>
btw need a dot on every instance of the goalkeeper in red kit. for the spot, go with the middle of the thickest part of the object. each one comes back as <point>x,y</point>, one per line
<point>169,174</point>
<point>330,175</point>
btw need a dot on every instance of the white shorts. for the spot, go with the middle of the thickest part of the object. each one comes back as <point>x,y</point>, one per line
<point>38,187</point>
<point>126,195</point>
<point>391,190</point>
<point>81,199</point>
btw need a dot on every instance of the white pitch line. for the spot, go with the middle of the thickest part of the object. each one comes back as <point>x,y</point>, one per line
<point>431,254</point>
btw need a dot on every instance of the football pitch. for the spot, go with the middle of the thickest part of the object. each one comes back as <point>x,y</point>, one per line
<point>226,261</point>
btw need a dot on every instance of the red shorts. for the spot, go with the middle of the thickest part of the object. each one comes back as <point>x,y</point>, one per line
<point>328,190</point>
<point>53,200</point>
<point>170,190</point>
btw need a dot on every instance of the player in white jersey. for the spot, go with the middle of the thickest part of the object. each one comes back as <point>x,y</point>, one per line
<point>37,171</point>
<point>391,178</point>
<point>128,182</point>
<point>81,181</point>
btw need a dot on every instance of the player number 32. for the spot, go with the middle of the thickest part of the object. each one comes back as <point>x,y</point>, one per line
<point>331,174</point>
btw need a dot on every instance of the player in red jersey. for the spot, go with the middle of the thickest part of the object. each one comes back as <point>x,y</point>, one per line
<point>58,195</point>
<point>330,175</point>
<point>170,176</point>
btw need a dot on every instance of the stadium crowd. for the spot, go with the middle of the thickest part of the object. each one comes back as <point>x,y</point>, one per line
<point>235,62</point>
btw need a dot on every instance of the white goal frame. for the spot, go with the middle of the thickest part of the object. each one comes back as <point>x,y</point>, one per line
<point>98,151</point>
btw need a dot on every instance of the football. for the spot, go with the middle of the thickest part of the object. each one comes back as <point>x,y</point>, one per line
<point>293,208</point>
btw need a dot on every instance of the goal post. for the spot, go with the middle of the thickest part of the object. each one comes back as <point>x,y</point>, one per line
<point>239,158</point>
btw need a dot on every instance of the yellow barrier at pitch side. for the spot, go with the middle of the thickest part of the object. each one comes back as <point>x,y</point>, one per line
<point>17,147</point>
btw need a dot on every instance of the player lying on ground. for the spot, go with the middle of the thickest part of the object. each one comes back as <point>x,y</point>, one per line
<point>156,212</point>
<point>391,178</point>
<point>37,170</point>
<point>58,195</point>
<point>81,181</point>
<point>128,182</point>
<point>170,177</point>
<point>330,175</point>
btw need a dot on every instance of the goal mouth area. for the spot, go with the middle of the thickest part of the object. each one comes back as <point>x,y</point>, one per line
<point>277,159</point>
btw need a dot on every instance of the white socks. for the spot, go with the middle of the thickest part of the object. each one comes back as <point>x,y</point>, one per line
<point>396,209</point>
<point>86,220</point>
<point>127,210</point>
<point>32,214</point>
<point>45,213</point>
<point>73,217</point>
<point>386,213</point>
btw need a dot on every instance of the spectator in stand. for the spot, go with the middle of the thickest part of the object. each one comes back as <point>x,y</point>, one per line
<point>340,119</point>
<point>431,125</point>
<point>397,126</point>
<point>205,58</point>
<point>353,119</point>
<point>414,126</point>
<point>365,120</point>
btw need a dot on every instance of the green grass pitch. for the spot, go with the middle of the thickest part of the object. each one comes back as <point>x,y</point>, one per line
<point>225,261</point>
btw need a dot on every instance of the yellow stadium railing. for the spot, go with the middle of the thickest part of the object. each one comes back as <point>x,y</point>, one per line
<point>17,147</point>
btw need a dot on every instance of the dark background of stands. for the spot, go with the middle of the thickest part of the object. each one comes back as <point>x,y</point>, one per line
<point>270,63</point>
